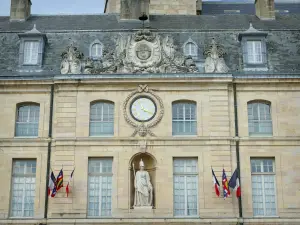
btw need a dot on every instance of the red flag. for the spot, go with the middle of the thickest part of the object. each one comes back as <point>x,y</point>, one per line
<point>216,183</point>
<point>234,183</point>
<point>67,188</point>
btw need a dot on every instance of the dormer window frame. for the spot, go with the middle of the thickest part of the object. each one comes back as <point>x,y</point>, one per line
<point>251,64</point>
<point>32,36</point>
<point>196,55</point>
<point>96,42</point>
<point>252,35</point>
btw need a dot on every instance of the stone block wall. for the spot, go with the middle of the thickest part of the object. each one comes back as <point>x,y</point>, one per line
<point>212,146</point>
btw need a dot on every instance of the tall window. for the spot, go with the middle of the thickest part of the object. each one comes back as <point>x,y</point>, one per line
<point>259,118</point>
<point>96,50</point>
<point>31,52</point>
<point>23,188</point>
<point>185,187</point>
<point>102,119</point>
<point>27,123</point>
<point>263,187</point>
<point>184,120</point>
<point>254,50</point>
<point>99,187</point>
<point>190,49</point>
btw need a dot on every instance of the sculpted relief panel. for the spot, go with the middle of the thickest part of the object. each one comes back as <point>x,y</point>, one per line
<point>141,52</point>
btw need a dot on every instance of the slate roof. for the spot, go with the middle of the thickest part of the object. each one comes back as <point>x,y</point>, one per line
<point>215,8</point>
<point>110,22</point>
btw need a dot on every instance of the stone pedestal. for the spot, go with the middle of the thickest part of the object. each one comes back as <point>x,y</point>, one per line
<point>142,211</point>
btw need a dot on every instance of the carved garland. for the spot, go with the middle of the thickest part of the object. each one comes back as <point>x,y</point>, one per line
<point>143,128</point>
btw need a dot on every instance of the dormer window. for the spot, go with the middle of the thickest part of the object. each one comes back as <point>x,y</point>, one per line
<point>96,50</point>
<point>31,52</point>
<point>254,49</point>
<point>190,49</point>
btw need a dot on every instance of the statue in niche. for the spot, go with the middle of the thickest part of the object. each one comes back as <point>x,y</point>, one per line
<point>214,62</point>
<point>71,63</point>
<point>143,188</point>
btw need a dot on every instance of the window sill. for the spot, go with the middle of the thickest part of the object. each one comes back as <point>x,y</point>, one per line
<point>256,67</point>
<point>102,136</point>
<point>260,135</point>
<point>264,217</point>
<point>21,218</point>
<point>184,135</point>
<point>29,137</point>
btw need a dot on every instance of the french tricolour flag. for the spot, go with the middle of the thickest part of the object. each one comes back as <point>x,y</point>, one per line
<point>52,183</point>
<point>216,183</point>
<point>234,183</point>
<point>68,185</point>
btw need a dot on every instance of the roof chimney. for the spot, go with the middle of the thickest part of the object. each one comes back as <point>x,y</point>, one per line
<point>20,9</point>
<point>265,9</point>
<point>133,9</point>
<point>198,7</point>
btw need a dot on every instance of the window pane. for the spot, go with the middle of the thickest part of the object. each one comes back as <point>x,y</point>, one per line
<point>27,123</point>
<point>185,187</point>
<point>102,119</point>
<point>254,51</point>
<point>184,119</point>
<point>263,187</point>
<point>100,187</point>
<point>31,51</point>
<point>96,50</point>
<point>23,188</point>
<point>259,119</point>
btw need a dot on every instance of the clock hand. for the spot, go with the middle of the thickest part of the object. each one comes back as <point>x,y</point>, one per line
<point>145,110</point>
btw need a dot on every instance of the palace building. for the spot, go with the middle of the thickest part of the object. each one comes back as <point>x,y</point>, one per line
<point>143,102</point>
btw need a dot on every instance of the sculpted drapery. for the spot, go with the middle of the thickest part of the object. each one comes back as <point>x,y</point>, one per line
<point>143,187</point>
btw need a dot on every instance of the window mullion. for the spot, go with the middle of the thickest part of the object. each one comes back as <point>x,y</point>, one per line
<point>185,196</point>
<point>100,193</point>
<point>23,194</point>
<point>263,191</point>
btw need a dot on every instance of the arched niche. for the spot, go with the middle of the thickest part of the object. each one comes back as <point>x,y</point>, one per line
<point>150,166</point>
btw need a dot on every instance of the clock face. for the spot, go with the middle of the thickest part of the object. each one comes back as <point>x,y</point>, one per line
<point>143,109</point>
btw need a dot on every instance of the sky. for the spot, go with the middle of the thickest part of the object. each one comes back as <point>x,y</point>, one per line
<point>46,7</point>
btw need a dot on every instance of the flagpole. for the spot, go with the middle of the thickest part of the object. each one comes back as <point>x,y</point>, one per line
<point>237,147</point>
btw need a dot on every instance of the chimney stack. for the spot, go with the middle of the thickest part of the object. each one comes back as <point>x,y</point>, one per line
<point>198,7</point>
<point>20,10</point>
<point>265,9</point>
<point>133,9</point>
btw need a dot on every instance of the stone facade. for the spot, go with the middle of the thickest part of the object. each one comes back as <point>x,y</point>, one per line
<point>152,63</point>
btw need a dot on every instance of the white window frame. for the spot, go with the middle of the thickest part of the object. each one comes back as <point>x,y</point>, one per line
<point>100,53</point>
<point>32,52</point>
<point>190,49</point>
<point>100,174</point>
<point>186,174</point>
<point>257,55</point>
<point>24,175</point>
<point>28,122</point>
<point>184,120</point>
<point>262,175</point>
<point>259,120</point>
<point>101,120</point>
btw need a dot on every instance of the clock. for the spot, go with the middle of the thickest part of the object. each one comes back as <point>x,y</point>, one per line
<point>143,109</point>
